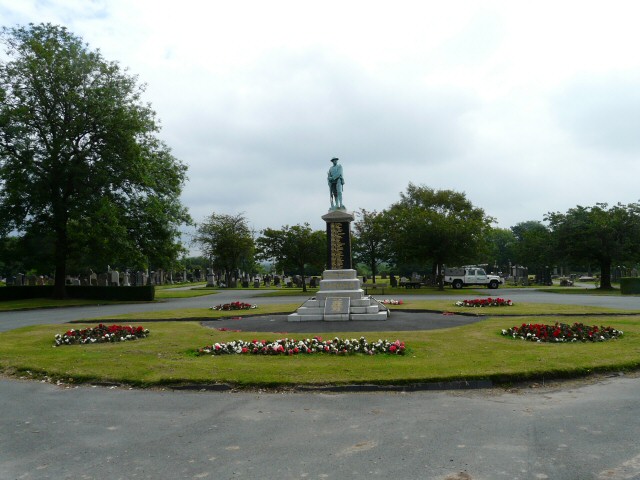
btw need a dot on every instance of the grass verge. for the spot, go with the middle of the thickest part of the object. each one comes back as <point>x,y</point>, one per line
<point>515,309</point>
<point>190,293</point>
<point>206,313</point>
<point>471,352</point>
<point>33,303</point>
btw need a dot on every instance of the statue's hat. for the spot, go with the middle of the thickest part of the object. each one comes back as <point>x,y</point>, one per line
<point>334,159</point>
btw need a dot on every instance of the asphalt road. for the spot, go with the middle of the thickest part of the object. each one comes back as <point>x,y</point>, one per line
<point>569,432</point>
<point>575,430</point>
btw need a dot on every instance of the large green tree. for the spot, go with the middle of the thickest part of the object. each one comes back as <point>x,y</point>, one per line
<point>500,249</point>
<point>80,160</point>
<point>370,240</point>
<point>227,240</point>
<point>534,246</point>
<point>598,234</point>
<point>294,249</point>
<point>436,227</point>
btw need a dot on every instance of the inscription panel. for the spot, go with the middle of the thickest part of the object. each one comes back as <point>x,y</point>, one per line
<point>339,245</point>
<point>337,306</point>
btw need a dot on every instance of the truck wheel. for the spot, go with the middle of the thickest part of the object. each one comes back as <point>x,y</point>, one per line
<point>493,284</point>
<point>457,284</point>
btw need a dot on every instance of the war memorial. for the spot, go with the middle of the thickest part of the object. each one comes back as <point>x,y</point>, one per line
<point>340,297</point>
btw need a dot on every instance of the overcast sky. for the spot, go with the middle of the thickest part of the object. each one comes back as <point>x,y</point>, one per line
<point>527,107</point>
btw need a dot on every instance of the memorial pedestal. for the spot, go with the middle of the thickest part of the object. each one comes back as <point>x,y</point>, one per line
<point>340,299</point>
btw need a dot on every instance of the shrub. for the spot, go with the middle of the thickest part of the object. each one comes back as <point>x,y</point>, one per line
<point>629,285</point>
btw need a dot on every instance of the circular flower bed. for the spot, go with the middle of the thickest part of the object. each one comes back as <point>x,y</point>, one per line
<point>234,306</point>
<point>101,334</point>
<point>290,346</point>
<point>485,302</point>
<point>562,332</point>
<point>392,302</point>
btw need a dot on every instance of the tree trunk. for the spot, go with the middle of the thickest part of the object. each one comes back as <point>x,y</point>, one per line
<point>605,274</point>
<point>439,276</point>
<point>304,284</point>
<point>59,288</point>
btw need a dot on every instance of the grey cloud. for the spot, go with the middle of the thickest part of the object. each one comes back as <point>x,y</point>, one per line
<point>602,112</point>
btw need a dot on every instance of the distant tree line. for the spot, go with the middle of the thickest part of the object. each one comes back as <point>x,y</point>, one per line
<point>427,229</point>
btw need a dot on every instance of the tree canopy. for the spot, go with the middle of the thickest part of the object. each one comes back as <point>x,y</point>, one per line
<point>80,160</point>
<point>534,246</point>
<point>436,227</point>
<point>294,249</point>
<point>370,240</point>
<point>599,234</point>
<point>501,245</point>
<point>227,240</point>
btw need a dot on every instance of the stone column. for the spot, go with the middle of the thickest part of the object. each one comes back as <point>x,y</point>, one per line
<point>338,239</point>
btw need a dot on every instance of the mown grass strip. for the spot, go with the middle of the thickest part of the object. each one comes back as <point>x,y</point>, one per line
<point>33,303</point>
<point>190,293</point>
<point>470,352</point>
<point>205,313</point>
<point>516,309</point>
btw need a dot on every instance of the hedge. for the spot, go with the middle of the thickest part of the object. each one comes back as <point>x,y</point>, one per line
<point>136,294</point>
<point>629,285</point>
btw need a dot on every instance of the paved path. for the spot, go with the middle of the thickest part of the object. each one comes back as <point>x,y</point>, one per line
<point>574,432</point>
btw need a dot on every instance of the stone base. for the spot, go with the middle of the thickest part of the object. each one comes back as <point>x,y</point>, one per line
<point>340,299</point>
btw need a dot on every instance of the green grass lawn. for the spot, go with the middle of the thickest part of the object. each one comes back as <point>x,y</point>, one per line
<point>193,292</point>
<point>515,309</point>
<point>470,352</point>
<point>9,305</point>
<point>583,291</point>
<point>206,313</point>
<point>388,292</point>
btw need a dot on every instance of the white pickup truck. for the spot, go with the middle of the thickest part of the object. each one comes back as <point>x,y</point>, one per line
<point>470,275</point>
